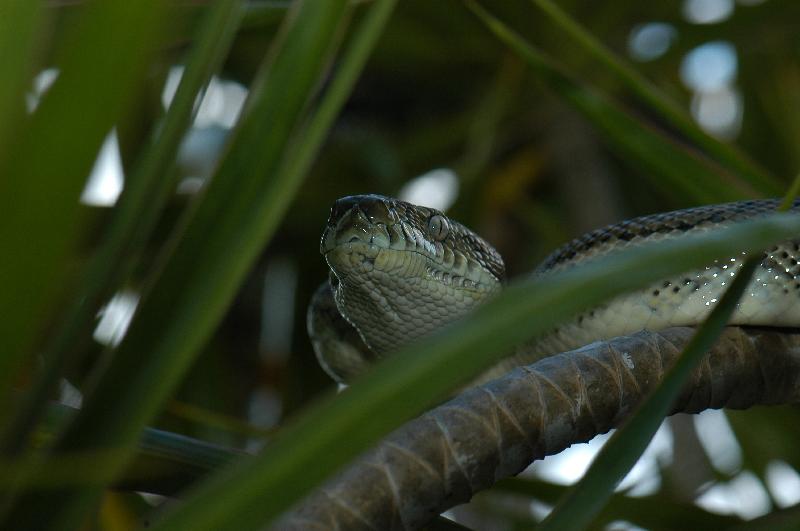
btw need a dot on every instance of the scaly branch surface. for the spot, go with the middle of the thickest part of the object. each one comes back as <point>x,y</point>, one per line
<point>496,430</point>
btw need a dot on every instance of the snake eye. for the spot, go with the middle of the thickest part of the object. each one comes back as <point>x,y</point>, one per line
<point>438,227</point>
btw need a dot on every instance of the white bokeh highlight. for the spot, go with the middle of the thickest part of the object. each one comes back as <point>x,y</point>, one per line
<point>644,478</point>
<point>650,41</point>
<point>710,66</point>
<point>41,83</point>
<point>435,189</point>
<point>718,440</point>
<point>115,318</point>
<point>106,179</point>
<point>221,104</point>
<point>783,483</point>
<point>719,111</point>
<point>707,11</point>
<point>709,71</point>
<point>744,496</point>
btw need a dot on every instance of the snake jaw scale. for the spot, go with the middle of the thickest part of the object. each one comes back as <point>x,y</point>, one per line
<point>448,257</point>
<point>396,241</point>
<point>459,264</point>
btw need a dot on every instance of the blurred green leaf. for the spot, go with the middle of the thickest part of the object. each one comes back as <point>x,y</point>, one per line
<point>133,219</point>
<point>655,511</point>
<point>310,448</point>
<point>213,252</point>
<point>49,161</point>
<point>766,434</point>
<point>20,28</point>
<point>657,101</point>
<point>791,194</point>
<point>260,14</point>
<point>672,167</point>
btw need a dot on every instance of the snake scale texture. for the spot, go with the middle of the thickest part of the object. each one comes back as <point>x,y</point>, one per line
<point>400,271</point>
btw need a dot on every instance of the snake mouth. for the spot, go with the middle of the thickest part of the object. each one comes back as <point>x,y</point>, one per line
<point>355,249</point>
<point>355,238</point>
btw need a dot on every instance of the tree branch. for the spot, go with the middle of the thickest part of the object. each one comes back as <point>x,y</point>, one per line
<point>496,430</point>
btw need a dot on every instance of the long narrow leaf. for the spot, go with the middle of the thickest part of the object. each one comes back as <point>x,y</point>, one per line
<point>20,23</point>
<point>214,252</point>
<point>655,511</point>
<point>302,152</point>
<point>791,194</point>
<point>141,201</point>
<point>670,111</point>
<point>49,161</point>
<point>670,166</point>
<point>327,436</point>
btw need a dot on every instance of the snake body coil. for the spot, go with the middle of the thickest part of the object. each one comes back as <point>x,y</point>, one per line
<point>400,271</point>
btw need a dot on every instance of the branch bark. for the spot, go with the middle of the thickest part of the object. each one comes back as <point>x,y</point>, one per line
<point>495,430</point>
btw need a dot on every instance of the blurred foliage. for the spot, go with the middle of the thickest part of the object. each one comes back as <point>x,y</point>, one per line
<point>439,91</point>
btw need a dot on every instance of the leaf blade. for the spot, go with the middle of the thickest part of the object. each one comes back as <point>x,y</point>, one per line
<point>206,265</point>
<point>670,166</point>
<point>40,200</point>
<point>133,218</point>
<point>649,94</point>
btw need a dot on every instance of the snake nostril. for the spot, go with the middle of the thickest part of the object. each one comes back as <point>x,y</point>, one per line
<point>377,211</point>
<point>342,206</point>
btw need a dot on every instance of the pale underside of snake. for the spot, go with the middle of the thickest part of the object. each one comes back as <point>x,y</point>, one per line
<point>399,271</point>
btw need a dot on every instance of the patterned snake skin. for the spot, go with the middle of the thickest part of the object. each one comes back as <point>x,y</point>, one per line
<point>400,271</point>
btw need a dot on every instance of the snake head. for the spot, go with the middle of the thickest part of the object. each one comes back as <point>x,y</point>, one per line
<point>401,271</point>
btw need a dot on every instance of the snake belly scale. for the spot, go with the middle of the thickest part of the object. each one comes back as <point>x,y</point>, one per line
<point>398,271</point>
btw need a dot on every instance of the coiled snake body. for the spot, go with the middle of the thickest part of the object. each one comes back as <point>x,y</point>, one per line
<point>400,271</point>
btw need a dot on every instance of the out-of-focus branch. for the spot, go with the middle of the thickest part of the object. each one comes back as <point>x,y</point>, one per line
<point>497,429</point>
<point>165,463</point>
